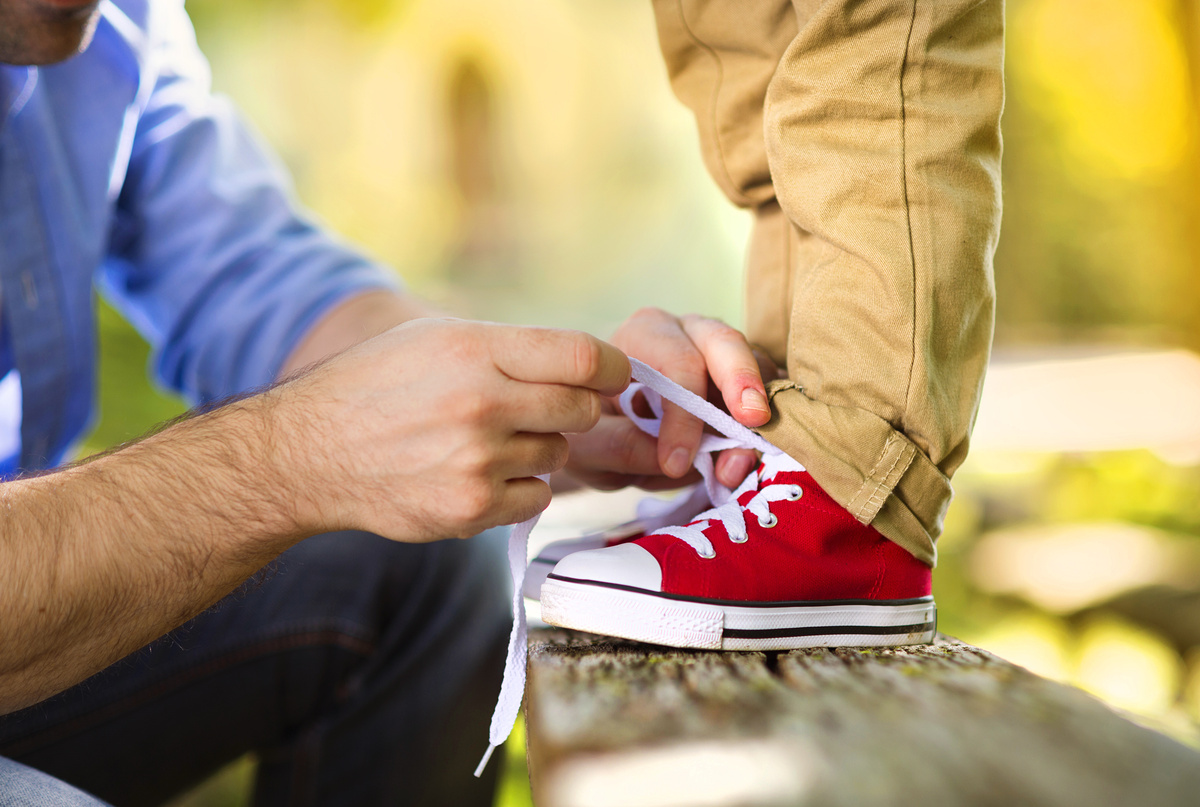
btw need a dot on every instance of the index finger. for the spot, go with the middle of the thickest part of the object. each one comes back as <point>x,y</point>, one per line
<point>733,366</point>
<point>559,356</point>
<point>659,340</point>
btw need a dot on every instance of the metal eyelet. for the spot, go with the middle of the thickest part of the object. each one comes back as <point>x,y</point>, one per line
<point>741,540</point>
<point>712,553</point>
<point>795,493</point>
<point>769,522</point>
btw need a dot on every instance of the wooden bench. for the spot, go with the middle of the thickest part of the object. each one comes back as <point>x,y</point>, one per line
<point>612,723</point>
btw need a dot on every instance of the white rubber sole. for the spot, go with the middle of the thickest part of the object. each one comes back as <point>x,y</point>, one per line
<point>647,616</point>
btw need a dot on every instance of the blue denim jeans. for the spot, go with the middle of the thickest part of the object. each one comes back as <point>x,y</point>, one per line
<point>358,670</point>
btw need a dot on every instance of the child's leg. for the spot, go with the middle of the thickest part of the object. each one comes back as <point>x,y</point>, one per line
<point>865,136</point>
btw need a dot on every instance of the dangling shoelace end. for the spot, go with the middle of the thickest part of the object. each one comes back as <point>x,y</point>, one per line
<point>512,687</point>
<point>487,757</point>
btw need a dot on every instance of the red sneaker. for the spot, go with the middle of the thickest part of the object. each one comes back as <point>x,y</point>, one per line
<point>780,565</point>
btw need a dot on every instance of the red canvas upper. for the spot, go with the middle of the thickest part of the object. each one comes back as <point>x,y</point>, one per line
<point>816,551</point>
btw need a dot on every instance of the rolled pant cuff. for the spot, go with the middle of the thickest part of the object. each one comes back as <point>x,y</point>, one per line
<point>870,468</point>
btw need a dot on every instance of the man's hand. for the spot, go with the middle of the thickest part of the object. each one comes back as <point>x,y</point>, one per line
<point>703,355</point>
<point>439,427</point>
<point>430,430</point>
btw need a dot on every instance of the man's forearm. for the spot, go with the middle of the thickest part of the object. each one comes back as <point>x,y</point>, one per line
<point>101,558</point>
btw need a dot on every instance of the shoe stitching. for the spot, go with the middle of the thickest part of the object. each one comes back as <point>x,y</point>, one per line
<point>879,564</point>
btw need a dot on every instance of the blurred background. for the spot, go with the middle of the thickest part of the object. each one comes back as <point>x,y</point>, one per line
<point>525,161</point>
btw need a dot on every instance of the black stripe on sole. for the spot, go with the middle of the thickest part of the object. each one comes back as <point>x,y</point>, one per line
<point>738,603</point>
<point>836,630</point>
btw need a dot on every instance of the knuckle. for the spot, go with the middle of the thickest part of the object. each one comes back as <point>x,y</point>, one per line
<point>587,357</point>
<point>473,407</point>
<point>645,320</point>
<point>476,501</point>
<point>704,320</point>
<point>593,407</point>
<point>625,445</point>
<point>690,368</point>
<point>747,378</point>
<point>728,335</point>
<point>455,340</point>
<point>648,312</point>
<point>475,461</point>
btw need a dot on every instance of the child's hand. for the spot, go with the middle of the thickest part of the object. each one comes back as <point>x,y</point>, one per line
<point>707,357</point>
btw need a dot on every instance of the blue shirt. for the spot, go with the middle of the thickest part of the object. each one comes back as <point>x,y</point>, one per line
<point>119,168</point>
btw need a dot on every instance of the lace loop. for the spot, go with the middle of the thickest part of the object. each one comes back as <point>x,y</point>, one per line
<point>730,514</point>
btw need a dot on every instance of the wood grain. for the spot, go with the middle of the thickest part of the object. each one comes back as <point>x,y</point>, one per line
<point>620,723</point>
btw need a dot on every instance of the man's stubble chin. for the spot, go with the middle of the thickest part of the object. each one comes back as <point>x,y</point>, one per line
<point>37,33</point>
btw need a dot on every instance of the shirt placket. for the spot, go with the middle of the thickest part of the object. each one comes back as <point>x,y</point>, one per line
<point>31,305</point>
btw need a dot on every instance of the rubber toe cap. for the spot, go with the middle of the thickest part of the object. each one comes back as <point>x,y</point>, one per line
<point>623,565</point>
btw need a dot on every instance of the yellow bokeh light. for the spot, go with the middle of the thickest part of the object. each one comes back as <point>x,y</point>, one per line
<point>1037,642</point>
<point>1112,76</point>
<point>1129,667</point>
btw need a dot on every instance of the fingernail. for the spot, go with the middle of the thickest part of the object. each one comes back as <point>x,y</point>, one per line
<point>677,463</point>
<point>754,400</point>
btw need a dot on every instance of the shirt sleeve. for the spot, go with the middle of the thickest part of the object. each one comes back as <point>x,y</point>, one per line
<point>209,256</point>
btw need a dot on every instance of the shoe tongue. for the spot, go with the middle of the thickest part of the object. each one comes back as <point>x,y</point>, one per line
<point>773,464</point>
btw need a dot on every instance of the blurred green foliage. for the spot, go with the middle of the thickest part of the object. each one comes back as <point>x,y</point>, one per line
<point>129,402</point>
<point>1100,166</point>
<point>1136,487</point>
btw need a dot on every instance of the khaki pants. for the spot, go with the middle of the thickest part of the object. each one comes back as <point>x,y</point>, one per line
<point>865,136</point>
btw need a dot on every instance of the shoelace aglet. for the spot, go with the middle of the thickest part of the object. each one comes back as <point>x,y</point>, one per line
<point>487,756</point>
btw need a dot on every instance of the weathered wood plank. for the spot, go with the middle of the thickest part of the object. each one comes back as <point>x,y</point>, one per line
<point>618,723</point>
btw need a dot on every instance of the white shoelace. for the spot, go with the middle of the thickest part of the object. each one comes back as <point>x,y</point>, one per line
<point>732,515</point>
<point>726,510</point>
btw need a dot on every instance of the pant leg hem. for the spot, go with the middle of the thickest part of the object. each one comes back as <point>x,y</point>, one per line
<point>866,465</point>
